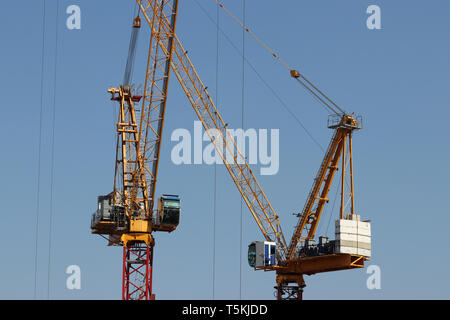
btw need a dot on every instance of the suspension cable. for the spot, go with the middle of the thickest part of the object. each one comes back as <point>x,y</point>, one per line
<point>38,195</point>
<point>52,170</point>
<point>242,127</point>
<point>215,164</point>
<point>293,72</point>
<point>268,86</point>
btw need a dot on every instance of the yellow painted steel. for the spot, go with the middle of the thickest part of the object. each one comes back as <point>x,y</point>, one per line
<point>129,238</point>
<point>139,226</point>
<point>318,195</point>
<point>241,173</point>
<point>154,102</point>
<point>139,132</point>
<point>291,268</point>
<point>128,178</point>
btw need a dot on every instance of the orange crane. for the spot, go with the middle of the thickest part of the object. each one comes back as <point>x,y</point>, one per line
<point>291,261</point>
<point>127,216</point>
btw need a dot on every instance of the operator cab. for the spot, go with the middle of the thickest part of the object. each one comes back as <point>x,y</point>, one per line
<point>262,254</point>
<point>168,216</point>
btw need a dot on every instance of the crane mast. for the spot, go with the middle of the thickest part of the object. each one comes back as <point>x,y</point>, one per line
<point>126,215</point>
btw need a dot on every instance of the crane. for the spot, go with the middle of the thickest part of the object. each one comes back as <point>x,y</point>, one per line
<point>127,216</point>
<point>139,144</point>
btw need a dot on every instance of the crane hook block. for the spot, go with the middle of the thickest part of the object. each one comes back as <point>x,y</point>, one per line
<point>137,22</point>
<point>295,74</point>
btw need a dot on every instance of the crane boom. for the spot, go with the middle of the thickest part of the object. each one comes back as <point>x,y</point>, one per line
<point>241,173</point>
<point>155,96</point>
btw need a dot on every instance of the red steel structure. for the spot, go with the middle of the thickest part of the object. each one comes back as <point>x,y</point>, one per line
<point>137,272</point>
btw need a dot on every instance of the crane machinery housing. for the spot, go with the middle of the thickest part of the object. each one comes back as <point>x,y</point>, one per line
<point>127,216</point>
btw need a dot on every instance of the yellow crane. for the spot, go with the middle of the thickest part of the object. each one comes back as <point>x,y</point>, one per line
<point>127,216</point>
<point>139,143</point>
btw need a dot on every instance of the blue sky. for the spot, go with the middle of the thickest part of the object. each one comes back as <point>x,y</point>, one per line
<point>396,78</point>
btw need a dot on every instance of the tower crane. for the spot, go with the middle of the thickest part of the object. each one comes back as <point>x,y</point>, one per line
<point>132,221</point>
<point>127,215</point>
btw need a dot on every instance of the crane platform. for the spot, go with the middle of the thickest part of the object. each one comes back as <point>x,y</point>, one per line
<point>318,264</point>
<point>325,263</point>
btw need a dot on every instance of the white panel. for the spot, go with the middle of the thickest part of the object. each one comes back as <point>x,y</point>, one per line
<point>364,252</point>
<point>364,232</point>
<point>348,250</point>
<point>259,254</point>
<point>353,224</point>
<point>364,225</point>
<point>344,229</point>
<point>346,223</point>
<point>353,230</point>
<point>351,250</point>
<point>353,244</point>
<point>353,237</point>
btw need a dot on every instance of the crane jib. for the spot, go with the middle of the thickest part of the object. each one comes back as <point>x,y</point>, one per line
<point>261,209</point>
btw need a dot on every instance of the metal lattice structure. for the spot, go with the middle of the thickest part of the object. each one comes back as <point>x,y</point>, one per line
<point>201,101</point>
<point>246,182</point>
<point>139,133</point>
<point>318,195</point>
<point>163,17</point>
<point>137,272</point>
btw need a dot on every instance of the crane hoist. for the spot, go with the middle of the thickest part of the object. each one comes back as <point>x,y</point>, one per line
<point>131,219</point>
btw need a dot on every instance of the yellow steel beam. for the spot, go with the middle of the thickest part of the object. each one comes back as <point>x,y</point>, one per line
<point>318,195</point>
<point>320,264</point>
<point>151,124</point>
<point>241,173</point>
<point>126,183</point>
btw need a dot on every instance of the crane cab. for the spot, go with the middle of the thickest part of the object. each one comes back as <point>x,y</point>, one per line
<point>168,214</point>
<point>262,254</point>
<point>108,218</point>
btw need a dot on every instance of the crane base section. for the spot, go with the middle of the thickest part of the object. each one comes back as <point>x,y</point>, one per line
<point>137,272</point>
<point>289,286</point>
<point>286,292</point>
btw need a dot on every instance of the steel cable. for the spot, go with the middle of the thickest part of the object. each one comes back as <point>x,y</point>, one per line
<point>242,127</point>
<point>215,164</point>
<point>52,151</point>
<point>310,87</point>
<point>272,90</point>
<point>39,152</point>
